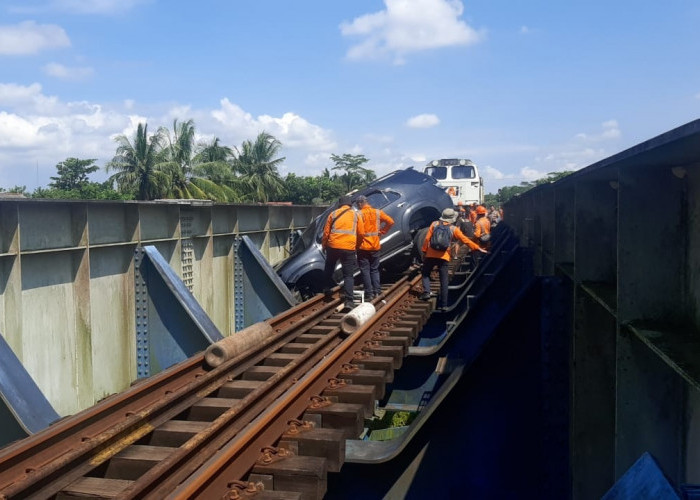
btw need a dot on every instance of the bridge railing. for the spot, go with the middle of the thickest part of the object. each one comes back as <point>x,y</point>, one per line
<point>625,232</point>
<point>67,292</point>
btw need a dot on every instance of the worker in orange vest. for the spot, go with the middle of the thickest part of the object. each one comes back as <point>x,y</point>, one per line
<point>441,258</point>
<point>343,226</point>
<point>472,213</point>
<point>376,223</point>
<point>482,227</point>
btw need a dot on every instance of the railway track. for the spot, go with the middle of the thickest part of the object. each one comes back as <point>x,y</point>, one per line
<point>270,422</point>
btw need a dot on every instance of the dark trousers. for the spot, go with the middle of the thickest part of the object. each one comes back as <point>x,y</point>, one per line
<point>368,261</point>
<point>428,264</point>
<point>348,262</point>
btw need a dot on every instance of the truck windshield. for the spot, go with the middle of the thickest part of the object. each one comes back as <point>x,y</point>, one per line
<point>439,173</point>
<point>463,172</point>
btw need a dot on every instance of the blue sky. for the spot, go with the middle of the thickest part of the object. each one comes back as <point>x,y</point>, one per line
<point>520,87</point>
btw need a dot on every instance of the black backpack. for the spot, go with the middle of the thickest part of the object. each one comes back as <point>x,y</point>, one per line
<point>441,237</point>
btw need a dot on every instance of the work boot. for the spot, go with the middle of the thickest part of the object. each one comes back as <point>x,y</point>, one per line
<point>349,305</point>
<point>425,296</point>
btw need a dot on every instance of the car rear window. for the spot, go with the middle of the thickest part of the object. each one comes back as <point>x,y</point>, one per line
<point>380,199</point>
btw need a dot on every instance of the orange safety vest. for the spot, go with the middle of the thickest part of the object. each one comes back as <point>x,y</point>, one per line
<point>343,225</point>
<point>440,254</point>
<point>373,219</point>
<point>482,226</point>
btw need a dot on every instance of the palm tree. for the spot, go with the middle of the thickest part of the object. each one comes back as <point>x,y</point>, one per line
<point>215,163</point>
<point>257,166</point>
<point>181,167</point>
<point>138,165</point>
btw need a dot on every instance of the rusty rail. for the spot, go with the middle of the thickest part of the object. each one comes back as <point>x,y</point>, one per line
<point>201,448</point>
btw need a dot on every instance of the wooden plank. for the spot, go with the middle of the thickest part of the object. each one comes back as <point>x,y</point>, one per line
<point>306,475</point>
<point>209,409</point>
<point>364,395</point>
<point>293,348</point>
<point>308,338</point>
<point>260,372</point>
<point>396,352</point>
<point>384,363</point>
<point>349,417</point>
<point>324,329</point>
<point>132,462</point>
<point>174,433</point>
<point>407,331</point>
<point>93,487</point>
<point>278,495</point>
<point>377,378</point>
<point>280,359</point>
<point>319,442</point>
<point>238,389</point>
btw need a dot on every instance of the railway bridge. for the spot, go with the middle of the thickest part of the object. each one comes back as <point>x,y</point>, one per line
<point>567,364</point>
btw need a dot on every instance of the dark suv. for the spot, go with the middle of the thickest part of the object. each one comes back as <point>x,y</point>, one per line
<point>411,198</point>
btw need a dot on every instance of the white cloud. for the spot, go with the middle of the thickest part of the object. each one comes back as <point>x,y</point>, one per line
<point>408,26</point>
<point>291,129</point>
<point>27,98</point>
<point>379,139</point>
<point>37,129</point>
<point>532,174</point>
<point>524,30</point>
<point>28,37</point>
<point>68,73</point>
<point>423,121</point>
<point>610,131</point>
<point>490,172</point>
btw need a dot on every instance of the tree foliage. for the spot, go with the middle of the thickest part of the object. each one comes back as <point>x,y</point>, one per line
<point>302,190</point>
<point>257,166</point>
<point>139,165</point>
<point>507,192</point>
<point>355,174</point>
<point>73,173</point>
<point>170,163</point>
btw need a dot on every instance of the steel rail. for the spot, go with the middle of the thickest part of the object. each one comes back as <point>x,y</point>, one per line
<point>234,460</point>
<point>167,474</point>
<point>76,444</point>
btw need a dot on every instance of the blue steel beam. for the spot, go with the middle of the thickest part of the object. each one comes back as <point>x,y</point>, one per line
<point>23,408</point>
<point>171,325</point>
<point>259,293</point>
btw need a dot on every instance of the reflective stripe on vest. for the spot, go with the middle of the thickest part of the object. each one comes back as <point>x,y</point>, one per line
<point>375,233</point>
<point>334,217</point>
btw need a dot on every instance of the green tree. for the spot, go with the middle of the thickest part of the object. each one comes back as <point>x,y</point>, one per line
<point>214,162</point>
<point>507,192</point>
<point>73,173</point>
<point>138,165</point>
<point>303,190</point>
<point>181,158</point>
<point>355,174</point>
<point>15,190</point>
<point>87,191</point>
<point>257,166</point>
